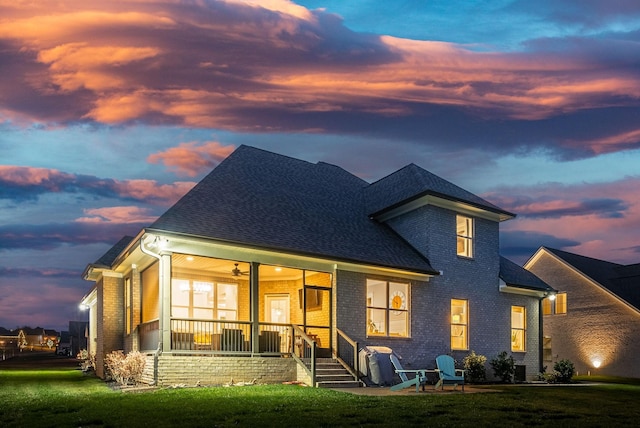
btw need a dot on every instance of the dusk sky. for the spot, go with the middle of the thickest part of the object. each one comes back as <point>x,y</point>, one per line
<point>111,111</point>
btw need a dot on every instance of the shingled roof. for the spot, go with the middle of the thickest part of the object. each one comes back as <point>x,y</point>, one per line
<point>266,200</point>
<point>412,182</point>
<point>517,276</point>
<point>622,280</point>
<point>107,259</point>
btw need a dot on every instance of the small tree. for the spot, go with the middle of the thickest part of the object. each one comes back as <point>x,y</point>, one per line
<point>564,370</point>
<point>504,367</point>
<point>474,367</point>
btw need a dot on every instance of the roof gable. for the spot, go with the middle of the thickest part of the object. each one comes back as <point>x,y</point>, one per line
<point>413,182</point>
<point>262,199</point>
<point>623,281</point>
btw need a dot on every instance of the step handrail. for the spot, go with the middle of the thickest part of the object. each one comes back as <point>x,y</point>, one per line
<point>307,348</point>
<point>354,368</point>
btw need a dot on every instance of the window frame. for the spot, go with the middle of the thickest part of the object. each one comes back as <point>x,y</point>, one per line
<point>557,306</point>
<point>515,330</point>
<point>215,307</point>
<point>395,293</point>
<point>460,324</point>
<point>127,304</point>
<point>466,236</point>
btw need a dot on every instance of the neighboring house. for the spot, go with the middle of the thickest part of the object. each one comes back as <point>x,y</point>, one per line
<point>271,257</point>
<point>77,336</point>
<point>64,344</point>
<point>50,339</point>
<point>595,319</point>
<point>34,337</point>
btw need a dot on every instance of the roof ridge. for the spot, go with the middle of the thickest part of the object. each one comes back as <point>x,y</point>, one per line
<point>556,251</point>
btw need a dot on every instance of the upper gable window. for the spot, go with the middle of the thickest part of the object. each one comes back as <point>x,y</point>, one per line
<point>464,235</point>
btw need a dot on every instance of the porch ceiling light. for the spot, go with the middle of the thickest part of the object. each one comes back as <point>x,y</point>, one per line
<point>552,296</point>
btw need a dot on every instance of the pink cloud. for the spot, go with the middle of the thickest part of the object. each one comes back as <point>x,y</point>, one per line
<point>605,230</point>
<point>23,183</point>
<point>215,64</point>
<point>192,158</point>
<point>122,215</point>
<point>153,192</point>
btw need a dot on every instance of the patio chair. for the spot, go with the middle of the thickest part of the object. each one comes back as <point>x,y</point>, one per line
<point>448,372</point>
<point>420,378</point>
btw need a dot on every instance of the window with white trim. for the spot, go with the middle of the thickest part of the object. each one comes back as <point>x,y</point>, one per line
<point>203,300</point>
<point>387,308</point>
<point>518,328</point>
<point>464,236</point>
<point>127,305</point>
<point>459,324</point>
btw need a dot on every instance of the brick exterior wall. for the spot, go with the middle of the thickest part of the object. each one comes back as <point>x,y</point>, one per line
<point>432,230</point>
<point>110,319</point>
<point>215,371</point>
<point>597,325</point>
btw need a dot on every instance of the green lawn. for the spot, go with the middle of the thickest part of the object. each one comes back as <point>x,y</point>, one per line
<point>64,397</point>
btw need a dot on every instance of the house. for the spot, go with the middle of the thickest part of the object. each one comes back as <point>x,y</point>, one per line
<point>11,342</point>
<point>35,337</point>
<point>77,336</point>
<point>594,320</point>
<point>271,265</point>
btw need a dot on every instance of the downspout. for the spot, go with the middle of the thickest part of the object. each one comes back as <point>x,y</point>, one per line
<point>158,350</point>
<point>540,335</point>
<point>541,328</point>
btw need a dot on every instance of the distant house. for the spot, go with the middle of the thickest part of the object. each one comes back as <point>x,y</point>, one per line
<point>595,319</point>
<point>10,342</point>
<point>34,336</point>
<point>77,336</point>
<point>271,263</point>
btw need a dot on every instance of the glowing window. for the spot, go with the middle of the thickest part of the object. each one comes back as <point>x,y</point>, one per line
<point>203,300</point>
<point>387,308</point>
<point>561,303</point>
<point>464,236</point>
<point>518,328</point>
<point>127,305</point>
<point>557,306</point>
<point>459,324</point>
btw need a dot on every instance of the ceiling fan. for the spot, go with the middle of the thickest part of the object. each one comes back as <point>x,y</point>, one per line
<point>237,272</point>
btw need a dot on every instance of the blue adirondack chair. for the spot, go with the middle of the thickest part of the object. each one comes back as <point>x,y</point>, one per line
<point>448,372</point>
<point>420,378</point>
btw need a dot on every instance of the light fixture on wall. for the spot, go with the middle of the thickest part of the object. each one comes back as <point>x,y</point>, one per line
<point>596,363</point>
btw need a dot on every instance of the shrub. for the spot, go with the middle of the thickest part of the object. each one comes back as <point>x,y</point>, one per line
<point>564,370</point>
<point>474,366</point>
<point>87,361</point>
<point>123,369</point>
<point>504,367</point>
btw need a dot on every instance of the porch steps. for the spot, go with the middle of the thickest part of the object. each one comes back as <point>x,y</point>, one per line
<point>331,374</point>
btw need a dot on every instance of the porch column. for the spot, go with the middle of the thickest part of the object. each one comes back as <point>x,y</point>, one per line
<point>255,306</point>
<point>165,301</point>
